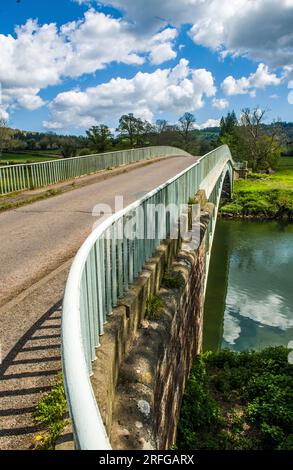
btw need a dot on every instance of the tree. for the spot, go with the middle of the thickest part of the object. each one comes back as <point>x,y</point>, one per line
<point>186,124</point>
<point>143,138</point>
<point>205,146</point>
<point>51,139</point>
<point>99,137</point>
<point>263,146</point>
<point>131,127</point>
<point>161,125</point>
<point>68,149</point>
<point>31,144</point>
<point>43,143</point>
<point>5,135</point>
<point>228,124</point>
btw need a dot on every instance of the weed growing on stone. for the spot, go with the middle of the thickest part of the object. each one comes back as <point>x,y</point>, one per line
<point>154,308</point>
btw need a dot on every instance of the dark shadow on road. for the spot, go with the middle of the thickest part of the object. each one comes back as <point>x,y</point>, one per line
<point>28,371</point>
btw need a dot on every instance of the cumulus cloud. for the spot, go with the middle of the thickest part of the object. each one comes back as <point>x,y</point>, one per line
<point>220,103</point>
<point>247,85</point>
<point>41,55</point>
<point>208,123</point>
<point>259,29</point>
<point>52,125</point>
<point>38,56</point>
<point>270,311</point>
<point>3,113</point>
<point>172,90</point>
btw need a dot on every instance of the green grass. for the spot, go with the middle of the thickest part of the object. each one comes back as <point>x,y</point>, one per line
<point>238,401</point>
<point>286,162</point>
<point>263,196</point>
<point>51,413</point>
<point>24,158</point>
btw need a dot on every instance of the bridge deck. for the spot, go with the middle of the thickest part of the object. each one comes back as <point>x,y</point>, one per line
<point>35,241</point>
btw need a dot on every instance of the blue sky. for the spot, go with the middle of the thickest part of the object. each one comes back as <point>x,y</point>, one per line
<point>67,65</point>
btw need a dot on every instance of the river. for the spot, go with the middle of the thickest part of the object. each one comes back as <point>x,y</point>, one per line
<point>249,299</point>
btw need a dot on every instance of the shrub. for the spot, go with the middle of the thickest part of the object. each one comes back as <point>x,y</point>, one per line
<point>238,401</point>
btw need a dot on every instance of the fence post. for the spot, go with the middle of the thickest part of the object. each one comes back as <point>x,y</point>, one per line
<point>29,177</point>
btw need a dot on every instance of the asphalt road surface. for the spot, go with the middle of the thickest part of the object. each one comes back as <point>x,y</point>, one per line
<point>36,239</point>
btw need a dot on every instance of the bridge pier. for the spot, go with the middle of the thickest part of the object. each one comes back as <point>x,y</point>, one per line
<point>141,369</point>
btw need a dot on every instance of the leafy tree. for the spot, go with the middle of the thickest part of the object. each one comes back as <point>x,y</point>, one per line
<point>31,144</point>
<point>229,133</point>
<point>68,149</point>
<point>131,127</point>
<point>99,137</point>
<point>186,124</point>
<point>51,138</point>
<point>228,124</point>
<point>44,143</point>
<point>4,135</point>
<point>205,146</point>
<point>145,136</point>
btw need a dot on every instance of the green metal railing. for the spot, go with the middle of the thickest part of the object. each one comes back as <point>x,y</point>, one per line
<point>110,260</point>
<point>15,178</point>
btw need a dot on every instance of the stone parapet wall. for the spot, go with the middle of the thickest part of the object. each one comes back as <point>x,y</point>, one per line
<point>142,365</point>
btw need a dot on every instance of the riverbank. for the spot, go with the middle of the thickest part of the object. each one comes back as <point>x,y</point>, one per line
<point>262,196</point>
<point>238,401</point>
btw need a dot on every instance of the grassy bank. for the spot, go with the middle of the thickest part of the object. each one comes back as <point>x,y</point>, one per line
<point>263,196</point>
<point>236,401</point>
<point>25,158</point>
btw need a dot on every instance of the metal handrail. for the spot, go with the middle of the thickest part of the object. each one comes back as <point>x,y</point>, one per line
<point>24,176</point>
<point>101,273</point>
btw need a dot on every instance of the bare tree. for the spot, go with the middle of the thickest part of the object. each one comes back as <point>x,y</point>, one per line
<point>186,124</point>
<point>252,120</point>
<point>161,125</point>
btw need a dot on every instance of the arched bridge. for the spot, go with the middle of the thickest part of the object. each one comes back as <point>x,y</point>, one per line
<point>109,261</point>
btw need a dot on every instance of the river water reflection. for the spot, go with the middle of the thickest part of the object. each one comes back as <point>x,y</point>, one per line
<point>249,299</point>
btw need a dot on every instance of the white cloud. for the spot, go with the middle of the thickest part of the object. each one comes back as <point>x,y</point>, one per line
<point>52,125</point>
<point>247,85</point>
<point>25,97</point>
<point>161,46</point>
<point>259,29</point>
<point>146,94</point>
<point>38,56</point>
<point>3,113</point>
<point>270,311</point>
<point>161,53</point>
<point>232,329</point>
<point>208,123</point>
<point>220,103</point>
<point>42,55</point>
